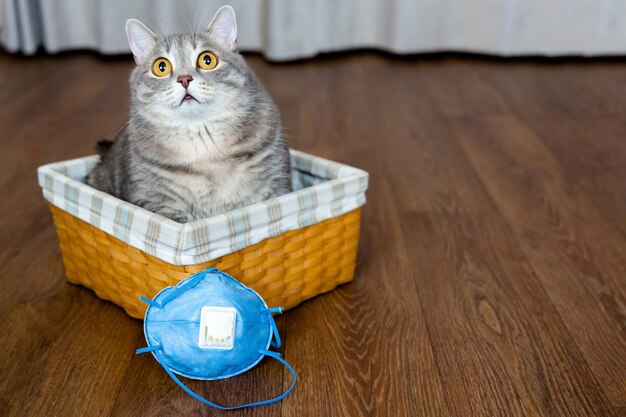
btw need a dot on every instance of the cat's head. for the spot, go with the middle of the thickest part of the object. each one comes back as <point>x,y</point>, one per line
<point>179,78</point>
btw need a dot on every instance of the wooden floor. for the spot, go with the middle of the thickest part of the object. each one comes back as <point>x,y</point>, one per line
<point>492,268</point>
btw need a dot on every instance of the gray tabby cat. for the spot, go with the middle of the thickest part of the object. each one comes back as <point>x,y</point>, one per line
<point>204,136</point>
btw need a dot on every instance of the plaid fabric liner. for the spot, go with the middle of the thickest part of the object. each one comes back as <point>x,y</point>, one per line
<point>322,189</point>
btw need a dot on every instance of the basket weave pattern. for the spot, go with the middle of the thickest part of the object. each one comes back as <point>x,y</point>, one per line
<point>285,270</point>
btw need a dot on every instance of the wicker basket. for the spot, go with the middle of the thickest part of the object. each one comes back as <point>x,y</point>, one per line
<point>285,269</point>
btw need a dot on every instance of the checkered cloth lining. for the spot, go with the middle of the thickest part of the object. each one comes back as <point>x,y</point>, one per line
<point>323,189</point>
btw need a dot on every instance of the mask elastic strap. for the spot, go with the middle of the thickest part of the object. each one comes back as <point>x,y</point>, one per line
<point>275,355</point>
<point>276,336</point>
<point>188,283</point>
<point>147,349</point>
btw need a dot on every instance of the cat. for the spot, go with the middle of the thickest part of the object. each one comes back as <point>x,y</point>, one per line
<point>204,136</point>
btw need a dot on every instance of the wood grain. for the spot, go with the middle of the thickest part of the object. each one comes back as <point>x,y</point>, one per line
<point>492,267</point>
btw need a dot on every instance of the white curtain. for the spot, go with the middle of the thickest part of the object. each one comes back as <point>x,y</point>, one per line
<point>290,29</point>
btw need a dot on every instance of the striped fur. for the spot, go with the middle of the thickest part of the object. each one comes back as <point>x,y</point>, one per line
<point>187,159</point>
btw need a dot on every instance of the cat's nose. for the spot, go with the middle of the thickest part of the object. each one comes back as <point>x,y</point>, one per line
<point>184,80</point>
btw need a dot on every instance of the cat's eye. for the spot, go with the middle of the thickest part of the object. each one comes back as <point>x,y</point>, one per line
<point>161,67</point>
<point>207,60</point>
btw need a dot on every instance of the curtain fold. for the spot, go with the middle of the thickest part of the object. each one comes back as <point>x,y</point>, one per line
<point>288,29</point>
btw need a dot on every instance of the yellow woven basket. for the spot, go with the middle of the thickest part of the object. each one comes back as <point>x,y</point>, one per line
<point>288,249</point>
<point>285,270</point>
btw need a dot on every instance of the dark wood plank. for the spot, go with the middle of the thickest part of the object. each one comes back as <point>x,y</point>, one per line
<point>578,99</point>
<point>364,349</point>
<point>492,267</point>
<point>576,249</point>
<point>577,264</point>
<point>470,274</point>
<point>64,353</point>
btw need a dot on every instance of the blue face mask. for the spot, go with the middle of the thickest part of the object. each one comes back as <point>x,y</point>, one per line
<point>210,326</point>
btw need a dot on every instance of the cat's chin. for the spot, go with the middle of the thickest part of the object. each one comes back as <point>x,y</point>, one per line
<point>189,110</point>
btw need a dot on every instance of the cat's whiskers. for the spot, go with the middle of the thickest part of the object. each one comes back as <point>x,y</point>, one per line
<point>134,116</point>
<point>204,13</point>
<point>222,99</point>
<point>160,23</point>
<point>224,103</point>
<point>195,15</point>
<point>187,20</point>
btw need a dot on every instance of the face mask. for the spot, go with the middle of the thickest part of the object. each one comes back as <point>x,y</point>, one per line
<point>210,326</point>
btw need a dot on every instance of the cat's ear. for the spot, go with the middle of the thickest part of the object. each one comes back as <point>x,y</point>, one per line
<point>223,27</point>
<point>140,38</point>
